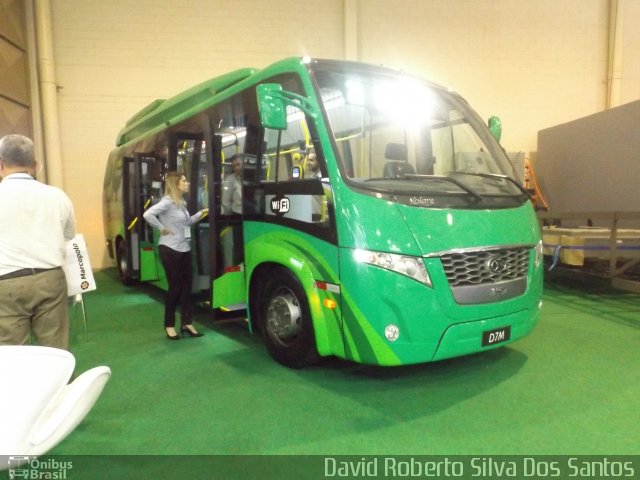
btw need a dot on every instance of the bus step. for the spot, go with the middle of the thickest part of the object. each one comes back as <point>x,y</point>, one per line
<point>234,307</point>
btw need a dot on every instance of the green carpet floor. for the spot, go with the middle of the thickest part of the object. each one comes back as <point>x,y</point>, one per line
<point>572,387</point>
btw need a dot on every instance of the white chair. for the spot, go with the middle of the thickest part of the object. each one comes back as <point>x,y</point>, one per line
<point>38,408</point>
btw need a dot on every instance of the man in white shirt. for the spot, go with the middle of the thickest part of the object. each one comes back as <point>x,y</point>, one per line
<point>232,188</point>
<point>36,220</point>
<point>232,205</point>
<point>312,167</point>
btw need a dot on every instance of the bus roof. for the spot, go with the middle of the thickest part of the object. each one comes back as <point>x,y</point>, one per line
<point>162,112</point>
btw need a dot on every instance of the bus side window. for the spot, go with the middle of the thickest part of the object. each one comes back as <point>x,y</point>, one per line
<point>295,159</point>
<point>285,148</point>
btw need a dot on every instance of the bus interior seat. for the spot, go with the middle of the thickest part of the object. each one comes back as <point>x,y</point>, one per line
<point>397,165</point>
<point>396,151</point>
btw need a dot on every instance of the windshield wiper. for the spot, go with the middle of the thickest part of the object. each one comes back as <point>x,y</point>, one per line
<point>499,177</point>
<point>438,178</point>
<point>378,179</point>
<point>432,178</point>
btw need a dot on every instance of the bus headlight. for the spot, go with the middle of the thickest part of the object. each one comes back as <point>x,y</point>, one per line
<point>539,254</point>
<point>412,267</point>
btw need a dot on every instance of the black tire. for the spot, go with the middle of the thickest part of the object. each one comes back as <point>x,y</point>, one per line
<point>122,261</point>
<point>285,320</point>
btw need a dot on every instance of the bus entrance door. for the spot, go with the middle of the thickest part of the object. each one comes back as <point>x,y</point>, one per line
<point>143,187</point>
<point>227,264</point>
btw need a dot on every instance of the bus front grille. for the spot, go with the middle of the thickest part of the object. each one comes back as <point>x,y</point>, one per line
<point>485,266</point>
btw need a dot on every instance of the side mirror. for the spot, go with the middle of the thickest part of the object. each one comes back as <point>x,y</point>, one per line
<point>495,127</point>
<point>273,112</point>
<point>273,102</point>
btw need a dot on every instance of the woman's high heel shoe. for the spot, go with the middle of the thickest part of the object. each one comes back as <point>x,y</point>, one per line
<point>191,333</point>
<point>171,337</point>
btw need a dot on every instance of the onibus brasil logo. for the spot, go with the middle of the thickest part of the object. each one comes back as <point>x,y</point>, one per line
<point>26,467</point>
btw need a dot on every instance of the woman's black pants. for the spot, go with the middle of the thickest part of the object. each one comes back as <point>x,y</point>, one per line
<point>177,266</point>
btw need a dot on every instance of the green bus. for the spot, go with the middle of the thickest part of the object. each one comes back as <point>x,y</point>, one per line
<point>379,219</point>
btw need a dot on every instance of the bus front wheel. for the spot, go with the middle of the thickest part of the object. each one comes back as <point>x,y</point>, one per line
<point>286,321</point>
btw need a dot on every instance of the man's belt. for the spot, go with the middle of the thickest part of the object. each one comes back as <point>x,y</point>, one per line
<point>24,272</point>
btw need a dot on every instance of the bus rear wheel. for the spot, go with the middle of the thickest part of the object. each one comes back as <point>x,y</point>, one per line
<point>286,321</point>
<point>122,260</point>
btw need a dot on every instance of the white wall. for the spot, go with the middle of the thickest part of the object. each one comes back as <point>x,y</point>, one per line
<point>533,63</point>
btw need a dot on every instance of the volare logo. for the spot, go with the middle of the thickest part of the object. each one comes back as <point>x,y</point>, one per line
<point>422,201</point>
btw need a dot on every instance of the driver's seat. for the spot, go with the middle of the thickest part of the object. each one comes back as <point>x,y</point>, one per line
<point>397,166</point>
<point>397,169</point>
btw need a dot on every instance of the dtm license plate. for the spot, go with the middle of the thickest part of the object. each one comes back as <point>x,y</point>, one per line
<point>496,336</point>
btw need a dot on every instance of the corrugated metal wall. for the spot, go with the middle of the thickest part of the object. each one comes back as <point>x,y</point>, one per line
<point>15,105</point>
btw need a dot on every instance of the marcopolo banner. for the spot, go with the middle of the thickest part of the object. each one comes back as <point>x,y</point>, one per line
<point>77,267</point>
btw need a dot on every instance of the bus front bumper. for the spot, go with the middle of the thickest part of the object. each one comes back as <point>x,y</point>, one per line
<point>472,337</point>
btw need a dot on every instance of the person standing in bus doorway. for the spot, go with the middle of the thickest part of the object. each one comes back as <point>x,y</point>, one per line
<point>171,218</point>
<point>232,188</point>
<point>35,223</point>
<point>312,168</point>
<point>232,205</point>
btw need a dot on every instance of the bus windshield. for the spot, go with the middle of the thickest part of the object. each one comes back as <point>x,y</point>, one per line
<point>402,136</point>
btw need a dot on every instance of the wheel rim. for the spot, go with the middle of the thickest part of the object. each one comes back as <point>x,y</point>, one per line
<point>283,317</point>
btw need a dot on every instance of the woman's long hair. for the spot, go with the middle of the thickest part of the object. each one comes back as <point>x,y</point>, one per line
<point>171,187</point>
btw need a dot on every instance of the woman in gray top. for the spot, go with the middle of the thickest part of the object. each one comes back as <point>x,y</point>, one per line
<point>171,217</point>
